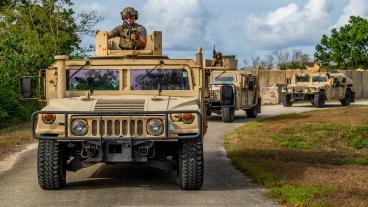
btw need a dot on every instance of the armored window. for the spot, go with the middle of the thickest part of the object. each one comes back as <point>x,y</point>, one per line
<point>318,79</point>
<point>92,80</point>
<point>159,79</point>
<point>223,78</point>
<point>302,79</point>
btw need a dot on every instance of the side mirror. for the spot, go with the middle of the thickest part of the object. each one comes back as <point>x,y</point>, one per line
<point>27,85</point>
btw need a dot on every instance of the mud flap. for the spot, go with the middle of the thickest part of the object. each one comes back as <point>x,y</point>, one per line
<point>259,108</point>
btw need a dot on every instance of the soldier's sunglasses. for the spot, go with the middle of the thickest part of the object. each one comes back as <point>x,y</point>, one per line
<point>130,17</point>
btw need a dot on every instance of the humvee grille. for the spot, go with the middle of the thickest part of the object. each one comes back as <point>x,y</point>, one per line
<point>119,105</point>
<point>118,128</point>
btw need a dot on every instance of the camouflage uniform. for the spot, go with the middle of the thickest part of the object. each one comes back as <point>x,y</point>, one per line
<point>124,32</point>
<point>217,63</point>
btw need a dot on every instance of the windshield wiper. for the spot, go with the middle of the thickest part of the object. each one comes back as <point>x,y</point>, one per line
<point>79,69</point>
<point>149,72</point>
<point>219,75</point>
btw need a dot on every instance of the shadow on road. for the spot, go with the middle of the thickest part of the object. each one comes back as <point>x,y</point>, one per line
<point>219,176</point>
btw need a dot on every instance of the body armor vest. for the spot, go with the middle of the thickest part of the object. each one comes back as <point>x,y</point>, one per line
<point>126,43</point>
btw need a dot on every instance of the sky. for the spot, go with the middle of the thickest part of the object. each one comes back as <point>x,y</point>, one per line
<point>245,28</point>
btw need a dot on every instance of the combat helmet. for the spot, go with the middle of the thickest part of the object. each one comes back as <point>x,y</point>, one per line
<point>129,11</point>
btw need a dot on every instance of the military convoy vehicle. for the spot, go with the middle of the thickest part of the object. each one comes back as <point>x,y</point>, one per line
<point>317,86</point>
<point>135,106</point>
<point>231,89</point>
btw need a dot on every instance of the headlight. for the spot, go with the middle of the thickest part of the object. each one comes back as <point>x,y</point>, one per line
<point>175,117</point>
<point>186,118</point>
<point>79,127</point>
<point>155,127</point>
<point>48,118</point>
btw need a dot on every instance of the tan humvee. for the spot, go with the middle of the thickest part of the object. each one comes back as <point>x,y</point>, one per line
<point>120,106</point>
<point>231,89</point>
<point>317,86</point>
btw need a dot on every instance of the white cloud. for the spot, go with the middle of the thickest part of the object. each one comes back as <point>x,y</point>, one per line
<point>183,22</point>
<point>354,8</point>
<point>289,25</point>
<point>94,6</point>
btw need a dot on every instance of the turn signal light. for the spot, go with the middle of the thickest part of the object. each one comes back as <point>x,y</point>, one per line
<point>48,118</point>
<point>187,118</point>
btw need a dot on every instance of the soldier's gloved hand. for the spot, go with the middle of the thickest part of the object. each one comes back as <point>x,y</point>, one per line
<point>134,36</point>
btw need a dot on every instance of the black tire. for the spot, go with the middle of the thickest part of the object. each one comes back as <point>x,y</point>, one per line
<point>286,100</point>
<point>319,100</point>
<point>51,165</point>
<point>252,112</point>
<point>347,99</point>
<point>228,114</point>
<point>312,102</point>
<point>190,166</point>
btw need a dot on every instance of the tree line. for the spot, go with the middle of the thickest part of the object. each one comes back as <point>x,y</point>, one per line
<point>32,32</point>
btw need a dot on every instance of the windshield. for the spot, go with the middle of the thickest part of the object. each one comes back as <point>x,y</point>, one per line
<point>167,79</point>
<point>302,79</point>
<point>319,79</point>
<point>92,80</point>
<point>223,78</point>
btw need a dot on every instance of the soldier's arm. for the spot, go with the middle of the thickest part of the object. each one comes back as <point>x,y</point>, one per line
<point>114,32</point>
<point>142,37</point>
<point>213,63</point>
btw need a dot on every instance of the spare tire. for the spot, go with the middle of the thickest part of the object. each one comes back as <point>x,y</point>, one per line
<point>227,95</point>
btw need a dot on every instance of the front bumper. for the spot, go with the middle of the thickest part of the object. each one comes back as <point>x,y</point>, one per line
<point>64,133</point>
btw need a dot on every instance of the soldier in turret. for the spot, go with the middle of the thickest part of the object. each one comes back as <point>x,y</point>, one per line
<point>217,62</point>
<point>133,36</point>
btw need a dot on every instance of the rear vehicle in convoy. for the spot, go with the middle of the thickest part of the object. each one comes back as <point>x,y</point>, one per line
<point>231,89</point>
<point>318,87</point>
<point>135,106</point>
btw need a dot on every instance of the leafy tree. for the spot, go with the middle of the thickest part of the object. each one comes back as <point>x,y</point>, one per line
<point>347,47</point>
<point>32,32</point>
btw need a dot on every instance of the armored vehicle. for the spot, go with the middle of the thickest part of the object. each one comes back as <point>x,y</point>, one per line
<point>135,106</point>
<point>231,89</point>
<point>317,86</point>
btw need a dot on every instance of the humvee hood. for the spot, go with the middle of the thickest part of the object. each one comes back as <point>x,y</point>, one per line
<point>123,103</point>
<point>316,85</point>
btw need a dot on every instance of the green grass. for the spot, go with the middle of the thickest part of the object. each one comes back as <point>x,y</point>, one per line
<point>299,195</point>
<point>357,137</point>
<point>291,141</point>
<point>263,176</point>
<point>354,161</point>
<point>298,156</point>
